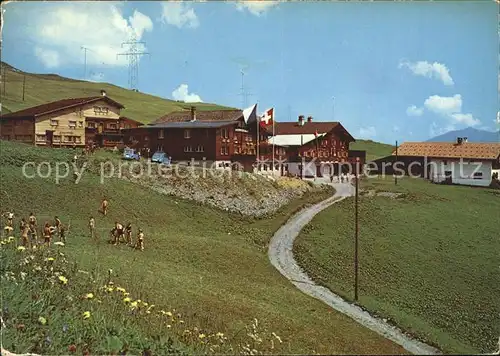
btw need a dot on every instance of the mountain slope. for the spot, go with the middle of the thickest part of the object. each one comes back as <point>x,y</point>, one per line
<point>373,149</point>
<point>44,88</point>
<point>472,134</point>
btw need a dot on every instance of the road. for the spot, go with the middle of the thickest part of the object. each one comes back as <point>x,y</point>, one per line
<point>281,256</point>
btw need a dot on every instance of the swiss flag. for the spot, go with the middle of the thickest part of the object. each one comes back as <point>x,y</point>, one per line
<point>268,118</point>
<point>316,133</point>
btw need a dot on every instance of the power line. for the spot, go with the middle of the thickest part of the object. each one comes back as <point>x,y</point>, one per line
<point>133,55</point>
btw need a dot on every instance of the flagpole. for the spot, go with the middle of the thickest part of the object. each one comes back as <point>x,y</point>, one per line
<point>273,137</point>
<point>258,124</point>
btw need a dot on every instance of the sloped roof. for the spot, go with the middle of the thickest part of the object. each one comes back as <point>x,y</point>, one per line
<point>450,150</point>
<point>58,105</point>
<point>129,119</point>
<point>210,115</point>
<point>309,128</point>
<point>193,124</point>
<point>292,140</point>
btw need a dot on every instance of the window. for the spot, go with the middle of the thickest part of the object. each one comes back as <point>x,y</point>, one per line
<point>236,150</point>
<point>80,123</point>
<point>161,135</point>
<point>187,133</point>
<point>127,126</point>
<point>478,175</point>
<point>200,149</point>
<point>54,122</point>
<point>91,125</point>
<point>131,138</point>
<point>56,138</point>
<point>188,149</point>
<point>101,110</point>
<point>445,162</point>
<point>448,174</point>
<point>112,126</point>
<point>41,138</point>
<point>72,124</point>
<point>224,133</point>
<point>224,151</point>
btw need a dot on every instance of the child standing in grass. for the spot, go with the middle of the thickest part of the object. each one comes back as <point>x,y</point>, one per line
<point>47,233</point>
<point>104,206</point>
<point>140,240</point>
<point>128,234</point>
<point>92,227</point>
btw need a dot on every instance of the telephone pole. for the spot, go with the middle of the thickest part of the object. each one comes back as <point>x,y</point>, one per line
<point>395,175</point>
<point>133,54</point>
<point>356,233</point>
<point>24,84</point>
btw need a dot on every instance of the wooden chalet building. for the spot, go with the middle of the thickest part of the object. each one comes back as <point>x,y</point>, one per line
<point>72,122</point>
<point>310,148</point>
<point>218,136</point>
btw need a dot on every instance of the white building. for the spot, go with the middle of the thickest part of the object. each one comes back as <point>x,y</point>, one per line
<point>459,162</point>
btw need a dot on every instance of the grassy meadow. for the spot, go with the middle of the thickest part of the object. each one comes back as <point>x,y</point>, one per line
<point>373,149</point>
<point>44,88</point>
<point>209,266</point>
<point>428,259</point>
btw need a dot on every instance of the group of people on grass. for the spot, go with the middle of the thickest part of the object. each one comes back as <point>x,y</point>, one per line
<point>28,230</point>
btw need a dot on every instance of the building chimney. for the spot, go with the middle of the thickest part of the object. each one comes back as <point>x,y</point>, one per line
<point>103,92</point>
<point>309,119</point>
<point>301,120</point>
<point>193,113</point>
<point>464,139</point>
<point>459,140</point>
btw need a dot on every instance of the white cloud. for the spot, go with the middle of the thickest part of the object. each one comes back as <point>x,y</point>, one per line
<point>182,93</point>
<point>430,70</point>
<point>179,14</point>
<point>451,108</point>
<point>98,26</point>
<point>367,132</point>
<point>444,105</point>
<point>466,119</point>
<point>414,111</point>
<point>256,7</point>
<point>436,130</point>
<point>49,58</point>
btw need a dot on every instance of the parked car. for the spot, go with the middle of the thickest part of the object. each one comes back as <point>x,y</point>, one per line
<point>161,157</point>
<point>130,154</point>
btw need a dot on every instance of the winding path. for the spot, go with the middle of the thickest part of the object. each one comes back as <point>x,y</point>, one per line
<point>281,256</point>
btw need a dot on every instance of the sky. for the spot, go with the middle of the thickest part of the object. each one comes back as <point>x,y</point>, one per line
<point>387,71</point>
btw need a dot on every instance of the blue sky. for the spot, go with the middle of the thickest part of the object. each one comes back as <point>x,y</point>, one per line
<point>386,71</point>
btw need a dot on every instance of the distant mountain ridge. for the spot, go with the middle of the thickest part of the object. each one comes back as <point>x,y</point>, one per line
<point>472,134</point>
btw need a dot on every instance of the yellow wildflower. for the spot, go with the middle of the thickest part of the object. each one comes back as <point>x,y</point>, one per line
<point>120,289</point>
<point>169,326</point>
<point>86,315</point>
<point>219,334</point>
<point>181,321</point>
<point>42,320</point>
<point>10,238</point>
<point>168,314</point>
<point>3,242</point>
<point>63,279</point>
<point>21,248</point>
<point>126,294</point>
<point>89,296</point>
<point>126,300</point>
<point>133,304</point>
<point>109,289</point>
<point>202,336</point>
<point>49,259</point>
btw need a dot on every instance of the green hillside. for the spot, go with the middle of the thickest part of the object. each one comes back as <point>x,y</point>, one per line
<point>210,266</point>
<point>428,259</point>
<point>373,149</point>
<point>43,88</point>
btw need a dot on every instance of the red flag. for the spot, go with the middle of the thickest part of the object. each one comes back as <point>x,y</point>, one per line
<point>316,133</point>
<point>267,119</point>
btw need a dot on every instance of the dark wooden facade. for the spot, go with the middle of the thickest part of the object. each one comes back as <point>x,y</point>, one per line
<point>106,132</point>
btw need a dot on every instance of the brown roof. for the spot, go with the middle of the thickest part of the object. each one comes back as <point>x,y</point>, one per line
<point>293,128</point>
<point>129,119</point>
<point>58,105</point>
<point>450,150</point>
<point>211,115</point>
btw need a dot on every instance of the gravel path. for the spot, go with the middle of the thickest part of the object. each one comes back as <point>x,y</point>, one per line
<point>281,256</point>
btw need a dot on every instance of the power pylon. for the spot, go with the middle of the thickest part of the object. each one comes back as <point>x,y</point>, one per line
<point>133,55</point>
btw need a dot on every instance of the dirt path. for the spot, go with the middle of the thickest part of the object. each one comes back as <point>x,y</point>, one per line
<point>281,256</point>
